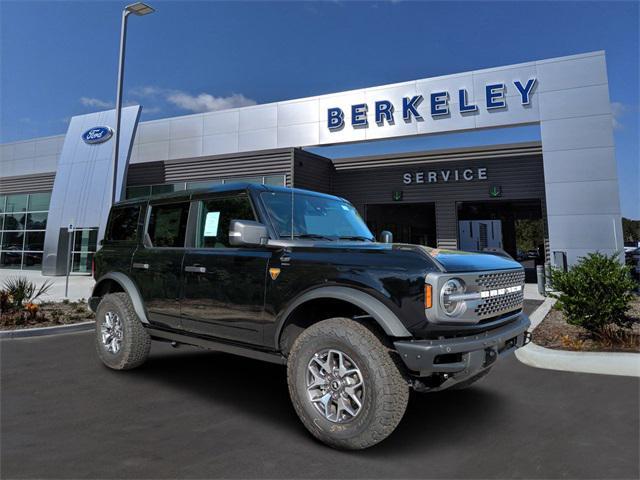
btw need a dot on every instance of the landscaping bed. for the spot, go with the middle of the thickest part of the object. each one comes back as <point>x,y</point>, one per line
<point>22,306</point>
<point>48,314</point>
<point>555,332</point>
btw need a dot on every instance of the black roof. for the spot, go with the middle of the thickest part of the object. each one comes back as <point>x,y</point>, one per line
<point>225,187</point>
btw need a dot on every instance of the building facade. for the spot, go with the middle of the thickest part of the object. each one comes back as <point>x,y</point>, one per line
<point>555,199</point>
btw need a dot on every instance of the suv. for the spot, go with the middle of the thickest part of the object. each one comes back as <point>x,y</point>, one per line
<point>296,278</point>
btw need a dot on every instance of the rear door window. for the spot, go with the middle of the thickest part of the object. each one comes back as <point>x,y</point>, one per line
<point>168,225</point>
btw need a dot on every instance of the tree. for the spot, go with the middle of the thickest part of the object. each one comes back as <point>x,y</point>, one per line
<point>630,230</point>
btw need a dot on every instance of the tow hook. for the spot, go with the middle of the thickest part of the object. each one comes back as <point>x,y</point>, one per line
<point>491,355</point>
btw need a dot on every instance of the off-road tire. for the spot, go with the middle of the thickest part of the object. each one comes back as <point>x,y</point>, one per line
<point>386,389</point>
<point>136,342</point>
<point>470,381</point>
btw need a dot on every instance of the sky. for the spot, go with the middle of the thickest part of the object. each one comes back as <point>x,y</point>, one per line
<point>59,59</point>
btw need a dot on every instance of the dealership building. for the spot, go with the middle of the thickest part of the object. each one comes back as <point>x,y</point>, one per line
<point>550,200</point>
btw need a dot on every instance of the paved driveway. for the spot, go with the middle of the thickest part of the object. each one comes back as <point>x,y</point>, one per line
<point>190,413</point>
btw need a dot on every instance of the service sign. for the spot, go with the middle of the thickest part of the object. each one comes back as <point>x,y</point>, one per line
<point>97,135</point>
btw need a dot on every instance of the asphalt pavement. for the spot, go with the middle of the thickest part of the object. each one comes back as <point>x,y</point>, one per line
<point>189,413</point>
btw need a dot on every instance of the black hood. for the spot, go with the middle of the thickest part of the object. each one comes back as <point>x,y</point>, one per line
<point>459,261</point>
<point>445,260</point>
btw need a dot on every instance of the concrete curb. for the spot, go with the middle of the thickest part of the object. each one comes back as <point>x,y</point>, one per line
<point>538,315</point>
<point>42,331</point>
<point>604,363</point>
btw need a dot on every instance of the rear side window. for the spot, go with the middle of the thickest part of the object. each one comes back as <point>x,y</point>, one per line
<point>168,224</point>
<point>123,224</point>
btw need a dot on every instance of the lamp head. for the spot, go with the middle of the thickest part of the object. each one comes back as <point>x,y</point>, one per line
<point>139,9</point>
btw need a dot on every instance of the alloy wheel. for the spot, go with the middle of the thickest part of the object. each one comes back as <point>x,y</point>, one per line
<point>112,332</point>
<point>335,385</point>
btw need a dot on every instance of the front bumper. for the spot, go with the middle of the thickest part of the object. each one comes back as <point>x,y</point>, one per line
<point>463,357</point>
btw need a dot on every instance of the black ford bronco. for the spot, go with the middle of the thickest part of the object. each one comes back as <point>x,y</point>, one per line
<point>296,278</point>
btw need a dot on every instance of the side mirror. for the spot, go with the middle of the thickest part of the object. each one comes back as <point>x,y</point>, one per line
<point>247,233</point>
<point>386,236</point>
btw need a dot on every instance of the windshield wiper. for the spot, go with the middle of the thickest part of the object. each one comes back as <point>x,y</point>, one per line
<point>356,237</point>
<point>313,236</point>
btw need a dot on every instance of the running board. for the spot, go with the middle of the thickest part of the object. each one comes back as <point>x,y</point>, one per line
<point>218,346</point>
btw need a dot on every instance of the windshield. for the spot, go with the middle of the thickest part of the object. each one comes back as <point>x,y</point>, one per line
<point>308,216</point>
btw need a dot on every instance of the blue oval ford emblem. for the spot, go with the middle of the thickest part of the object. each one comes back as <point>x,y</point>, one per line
<point>97,135</point>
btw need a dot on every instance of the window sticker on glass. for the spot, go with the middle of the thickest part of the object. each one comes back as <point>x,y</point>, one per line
<point>211,224</point>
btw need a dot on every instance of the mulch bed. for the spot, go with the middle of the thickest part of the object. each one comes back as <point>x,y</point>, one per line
<point>50,314</point>
<point>555,332</point>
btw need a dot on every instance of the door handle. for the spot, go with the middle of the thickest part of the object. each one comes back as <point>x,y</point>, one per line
<point>143,266</point>
<point>195,269</point>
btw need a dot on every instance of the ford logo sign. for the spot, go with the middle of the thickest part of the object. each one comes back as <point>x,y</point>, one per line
<point>97,135</point>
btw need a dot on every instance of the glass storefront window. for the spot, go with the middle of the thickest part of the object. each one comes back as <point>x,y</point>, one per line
<point>32,261</point>
<point>12,240</point>
<point>157,189</point>
<point>85,240</point>
<point>34,241</point>
<point>138,192</point>
<point>82,262</point>
<point>205,184</point>
<point>85,243</point>
<point>14,221</point>
<point>141,191</point>
<point>39,202</point>
<point>37,221</point>
<point>23,221</point>
<point>16,203</point>
<point>10,259</point>
<point>276,180</point>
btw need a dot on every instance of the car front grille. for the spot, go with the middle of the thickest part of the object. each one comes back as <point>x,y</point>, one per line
<point>501,300</point>
<point>500,279</point>
<point>498,305</point>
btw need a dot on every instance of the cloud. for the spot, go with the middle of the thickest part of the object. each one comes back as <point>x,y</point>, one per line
<point>95,102</point>
<point>205,102</point>
<point>147,91</point>
<point>617,110</point>
<point>202,102</point>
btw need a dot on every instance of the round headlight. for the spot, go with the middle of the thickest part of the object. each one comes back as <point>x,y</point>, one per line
<point>449,303</point>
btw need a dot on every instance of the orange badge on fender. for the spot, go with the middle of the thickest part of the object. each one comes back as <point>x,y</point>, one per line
<point>274,272</point>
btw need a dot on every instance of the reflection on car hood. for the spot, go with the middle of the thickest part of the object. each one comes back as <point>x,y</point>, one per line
<point>459,261</point>
<point>446,260</point>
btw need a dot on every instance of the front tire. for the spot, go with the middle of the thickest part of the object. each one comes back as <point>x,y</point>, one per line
<point>344,384</point>
<point>122,342</point>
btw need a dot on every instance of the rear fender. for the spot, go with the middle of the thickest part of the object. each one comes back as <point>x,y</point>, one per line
<point>127,285</point>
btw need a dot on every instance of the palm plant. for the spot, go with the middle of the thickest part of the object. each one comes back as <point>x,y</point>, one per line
<point>21,291</point>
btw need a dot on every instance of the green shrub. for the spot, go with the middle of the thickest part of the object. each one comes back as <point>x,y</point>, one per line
<point>19,291</point>
<point>595,293</point>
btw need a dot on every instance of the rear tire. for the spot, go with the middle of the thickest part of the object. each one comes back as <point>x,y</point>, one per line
<point>122,342</point>
<point>345,386</point>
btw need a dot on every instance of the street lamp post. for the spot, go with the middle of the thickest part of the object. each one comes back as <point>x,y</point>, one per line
<point>139,9</point>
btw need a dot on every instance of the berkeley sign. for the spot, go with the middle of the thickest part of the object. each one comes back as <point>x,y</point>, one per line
<point>384,110</point>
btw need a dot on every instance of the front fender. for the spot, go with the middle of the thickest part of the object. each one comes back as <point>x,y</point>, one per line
<point>383,316</point>
<point>127,285</point>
